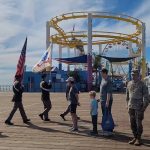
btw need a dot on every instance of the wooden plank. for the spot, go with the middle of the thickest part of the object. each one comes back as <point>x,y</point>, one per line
<point>40,135</point>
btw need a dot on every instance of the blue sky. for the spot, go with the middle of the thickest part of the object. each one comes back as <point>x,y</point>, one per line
<point>19,19</point>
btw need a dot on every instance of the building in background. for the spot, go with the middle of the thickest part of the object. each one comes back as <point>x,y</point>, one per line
<point>58,78</point>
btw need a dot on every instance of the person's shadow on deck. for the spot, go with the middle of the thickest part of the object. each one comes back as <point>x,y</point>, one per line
<point>85,121</point>
<point>117,136</point>
<point>125,137</point>
<point>146,142</point>
<point>45,129</point>
<point>68,124</point>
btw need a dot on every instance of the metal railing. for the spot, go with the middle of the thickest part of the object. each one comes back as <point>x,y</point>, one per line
<point>5,88</point>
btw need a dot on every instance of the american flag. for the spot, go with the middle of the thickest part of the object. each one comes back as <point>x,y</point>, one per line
<point>44,62</point>
<point>21,61</point>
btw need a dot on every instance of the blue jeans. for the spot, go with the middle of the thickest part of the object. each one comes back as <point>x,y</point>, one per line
<point>103,106</point>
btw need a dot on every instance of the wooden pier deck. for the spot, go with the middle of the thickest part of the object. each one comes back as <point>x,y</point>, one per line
<point>54,135</point>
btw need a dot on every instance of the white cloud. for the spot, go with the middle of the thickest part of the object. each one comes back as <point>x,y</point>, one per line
<point>20,19</point>
<point>143,9</point>
<point>142,13</point>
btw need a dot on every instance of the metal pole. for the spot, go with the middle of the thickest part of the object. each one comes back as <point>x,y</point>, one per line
<point>68,67</point>
<point>89,56</point>
<point>100,49</point>
<point>75,54</point>
<point>130,49</point>
<point>112,71</point>
<point>60,56</point>
<point>130,61</point>
<point>100,67</point>
<point>130,69</point>
<point>143,52</point>
<point>47,34</point>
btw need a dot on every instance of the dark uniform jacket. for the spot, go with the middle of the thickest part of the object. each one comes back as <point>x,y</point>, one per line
<point>45,87</point>
<point>18,90</point>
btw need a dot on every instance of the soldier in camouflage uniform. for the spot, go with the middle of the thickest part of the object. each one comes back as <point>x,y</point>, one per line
<point>137,101</point>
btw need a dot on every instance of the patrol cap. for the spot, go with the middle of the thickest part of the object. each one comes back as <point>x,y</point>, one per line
<point>135,72</point>
<point>70,79</point>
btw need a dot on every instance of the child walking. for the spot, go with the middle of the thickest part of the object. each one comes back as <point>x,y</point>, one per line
<point>94,111</point>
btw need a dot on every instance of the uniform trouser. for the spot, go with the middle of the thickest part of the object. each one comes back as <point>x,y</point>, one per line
<point>94,122</point>
<point>21,109</point>
<point>136,118</point>
<point>47,107</point>
<point>103,106</point>
<point>67,111</point>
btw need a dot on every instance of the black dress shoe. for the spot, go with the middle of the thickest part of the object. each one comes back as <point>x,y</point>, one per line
<point>94,133</point>
<point>62,116</point>
<point>26,121</point>
<point>8,122</point>
<point>46,119</point>
<point>41,116</point>
<point>78,118</point>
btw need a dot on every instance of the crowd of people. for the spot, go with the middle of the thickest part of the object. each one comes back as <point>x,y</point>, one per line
<point>137,99</point>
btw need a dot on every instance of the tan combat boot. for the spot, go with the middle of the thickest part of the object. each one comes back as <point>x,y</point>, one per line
<point>132,141</point>
<point>138,142</point>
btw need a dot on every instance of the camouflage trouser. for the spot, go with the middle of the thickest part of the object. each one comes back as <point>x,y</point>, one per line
<point>136,118</point>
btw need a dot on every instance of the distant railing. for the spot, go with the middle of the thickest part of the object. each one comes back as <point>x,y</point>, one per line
<point>56,87</point>
<point>5,88</point>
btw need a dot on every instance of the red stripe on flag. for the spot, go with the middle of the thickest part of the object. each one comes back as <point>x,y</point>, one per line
<point>21,61</point>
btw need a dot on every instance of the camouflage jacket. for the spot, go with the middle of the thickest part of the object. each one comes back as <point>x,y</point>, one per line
<point>137,95</point>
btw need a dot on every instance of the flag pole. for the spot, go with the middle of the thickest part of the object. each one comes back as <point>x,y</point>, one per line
<point>51,49</point>
<point>24,67</point>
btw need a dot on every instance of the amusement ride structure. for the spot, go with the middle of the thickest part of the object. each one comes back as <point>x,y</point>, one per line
<point>108,40</point>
